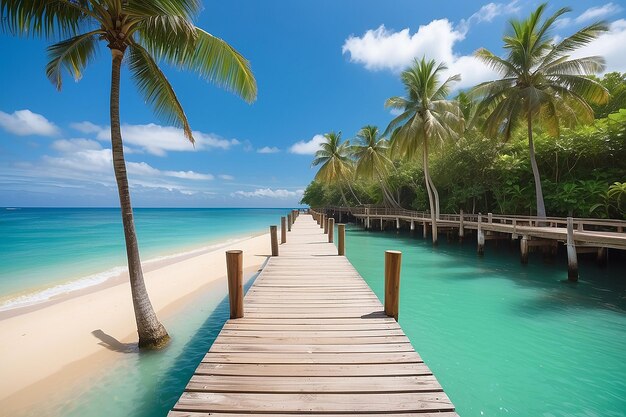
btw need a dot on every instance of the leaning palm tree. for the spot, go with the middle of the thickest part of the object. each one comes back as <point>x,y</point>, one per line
<point>371,152</point>
<point>337,167</point>
<point>143,32</point>
<point>427,116</point>
<point>540,82</point>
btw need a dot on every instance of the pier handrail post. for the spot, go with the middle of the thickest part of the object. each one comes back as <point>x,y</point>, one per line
<point>489,218</point>
<point>283,229</point>
<point>393,261</point>
<point>572,260</point>
<point>480,236</point>
<point>341,243</point>
<point>331,229</point>
<point>327,220</point>
<point>289,221</point>
<point>274,239</point>
<point>322,221</point>
<point>234,268</point>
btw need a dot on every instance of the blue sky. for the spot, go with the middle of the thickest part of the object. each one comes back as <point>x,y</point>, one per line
<point>320,65</point>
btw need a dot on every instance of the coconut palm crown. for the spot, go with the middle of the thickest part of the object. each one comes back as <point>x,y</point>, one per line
<point>371,152</point>
<point>142,33</point>
<point>335,159</point>
<point>426,116</point>
<point>541,82</point>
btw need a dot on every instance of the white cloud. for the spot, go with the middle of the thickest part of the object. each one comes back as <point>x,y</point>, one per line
<point>487,13</point>
<point>307,147</point>
<point>382,49</point>
<point>227,177</point>
<point>158,140</point>
<point>72,145</point>
<point>189,175</point>
<point>599,12</point>
<point>268,193</point>
<point>591,14</point>
<point>267,149</point>
<point>86,127</point>
<point>25,122</point>
<point>609,45</point>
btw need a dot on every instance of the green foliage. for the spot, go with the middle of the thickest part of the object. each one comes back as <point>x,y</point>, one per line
<point>615,83</point>
<point>583,172</point>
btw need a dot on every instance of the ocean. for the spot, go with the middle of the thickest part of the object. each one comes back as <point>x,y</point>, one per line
<point>45,252</point>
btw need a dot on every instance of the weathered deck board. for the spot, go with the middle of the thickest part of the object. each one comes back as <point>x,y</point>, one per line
<point>314,341</point>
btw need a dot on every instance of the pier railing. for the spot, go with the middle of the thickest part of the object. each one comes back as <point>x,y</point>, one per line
<point>580,223</point>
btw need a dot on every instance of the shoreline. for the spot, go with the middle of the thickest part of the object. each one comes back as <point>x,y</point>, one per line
<point>46,345</point>
<point>36,298</point>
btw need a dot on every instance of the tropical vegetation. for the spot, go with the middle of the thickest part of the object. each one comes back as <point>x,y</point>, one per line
<point>549,137</point>
<point>142,33</point>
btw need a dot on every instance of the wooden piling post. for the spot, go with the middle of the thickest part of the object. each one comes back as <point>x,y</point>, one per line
<point>393,261</point>
<point>425,232</point>
<point>523,247</point>
<point>331,229</point>
<point>381,224</point>
<point>412,225</point>
<point>341,242</point>
<point>274,239</point>
<point>480,236</point>
<point>602,257</point>
<point>461,226</point>
<point>397,223</point>
<point>289,221</point>
<point>327,220</point>
<point>234,268</point>
<point>283,230</point>
<point>572,259</point>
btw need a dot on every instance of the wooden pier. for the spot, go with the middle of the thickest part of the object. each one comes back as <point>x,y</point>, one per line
<point>314,340</point>
<point>578,234</point>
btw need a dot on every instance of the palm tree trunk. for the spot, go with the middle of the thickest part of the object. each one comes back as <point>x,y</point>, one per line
<point>151,332</point>
<point>343,196</point>
<point>541,208</point>
<point>353,194</point>
<point>433,214</point>
<point>436,195</point>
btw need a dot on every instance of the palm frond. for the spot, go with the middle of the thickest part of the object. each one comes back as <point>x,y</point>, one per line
<point>157,90</point>
<point>73,54</point>
<point>218,62</point>
<point>46,18</point>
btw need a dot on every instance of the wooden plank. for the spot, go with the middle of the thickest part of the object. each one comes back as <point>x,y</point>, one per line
<point>337,370</point>
<point>314,402</point>
<point>335,348</point>
<point>291,384</point>
<point>296,340</point>
<point>314,334</point>
<point>248,414</point>
<point>311,358</point>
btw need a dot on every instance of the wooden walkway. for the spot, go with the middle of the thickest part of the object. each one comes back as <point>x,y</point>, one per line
<point>314,341</point>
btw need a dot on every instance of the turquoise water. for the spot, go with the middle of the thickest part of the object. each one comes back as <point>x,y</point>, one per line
<point>503,339</point>
<point>41,247</point>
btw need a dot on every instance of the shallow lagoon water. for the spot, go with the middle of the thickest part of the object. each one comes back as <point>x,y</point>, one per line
<point>506,339</point>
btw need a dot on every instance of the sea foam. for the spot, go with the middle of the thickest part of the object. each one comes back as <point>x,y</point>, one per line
<point>49,293</point>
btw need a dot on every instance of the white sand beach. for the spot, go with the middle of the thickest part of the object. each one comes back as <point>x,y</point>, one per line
<point>41,346</point>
